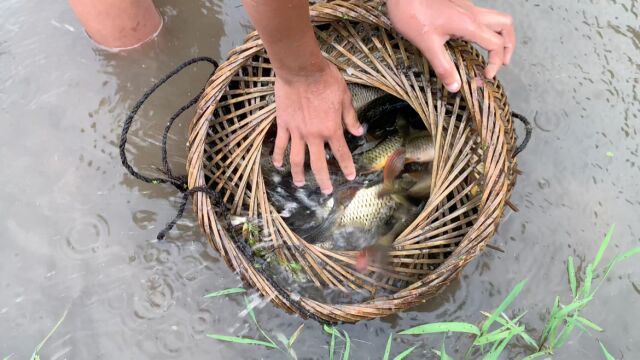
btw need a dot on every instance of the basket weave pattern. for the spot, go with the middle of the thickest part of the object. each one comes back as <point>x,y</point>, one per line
<point>473,171</point>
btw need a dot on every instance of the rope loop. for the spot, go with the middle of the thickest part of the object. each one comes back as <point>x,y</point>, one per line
<point>528,130</point>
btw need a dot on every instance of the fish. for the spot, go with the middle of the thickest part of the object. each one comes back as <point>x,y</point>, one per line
<point>358,214</point>
<point>367,209</point>
<point>361,95</point>
<point>416,147</point>
<point>415,184</point>
<point>376,158</point>
<point>378,252</point>
<point>419,148</point>
<point>418,144</point>
<point>421,188</point>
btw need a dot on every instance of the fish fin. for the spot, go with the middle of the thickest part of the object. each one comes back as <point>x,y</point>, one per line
<point>345,193</point>
<point>362,261</point>
<point>392,168</point>
<point>376,255</point>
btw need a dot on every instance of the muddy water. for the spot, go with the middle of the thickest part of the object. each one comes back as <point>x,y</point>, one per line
<point>78,233</point>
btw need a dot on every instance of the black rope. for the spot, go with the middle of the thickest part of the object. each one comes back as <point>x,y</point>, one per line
<point>179,182</point>
<point>528,130</point>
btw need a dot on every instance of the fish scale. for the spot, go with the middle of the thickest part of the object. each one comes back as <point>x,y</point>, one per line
<point>420,148</point>
<point>376,158</point>
<point>367,209</point>
<point>361,95</point>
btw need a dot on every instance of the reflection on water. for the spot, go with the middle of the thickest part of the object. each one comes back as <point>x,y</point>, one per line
<point>78,232</point>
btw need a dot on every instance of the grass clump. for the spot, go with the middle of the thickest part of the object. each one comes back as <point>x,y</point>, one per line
<point>490,342</point>
<point>492,336</point>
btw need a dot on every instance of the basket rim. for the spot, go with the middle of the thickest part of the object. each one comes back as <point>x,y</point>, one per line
<point>416,292</point>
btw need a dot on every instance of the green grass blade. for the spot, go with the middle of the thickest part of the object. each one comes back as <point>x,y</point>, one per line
<point>535,356</point>
<point>603,247</point>
<point>495,353</point>
<point>552,322</point>
<point>441,327</point>
<point>35,354</point>
<point>7,357</point>
<point>387,349</point>
<point>347,346</point>
<point>503,306</point>
<point>559,315</point>
<point>565,333</point>
<point>332,344</point>
<point>512,324</point>
<point>491,337</point>
<point>498,335</point>
<point>589,323</point>
<point>405,353</point>
<point>582,328</point>
<point>331,331</point>
<point>225,292</point>
<point>571,270</point>
<point>241,340</point>
<point>252,314</point>
<point>249,308</point>
<point>607,355</point>
<point>504,320</point>
<point>588,278</point>
<point>574,306</point>
<point>443,352</point>
<point>294,336</point>
<point>616,260</point>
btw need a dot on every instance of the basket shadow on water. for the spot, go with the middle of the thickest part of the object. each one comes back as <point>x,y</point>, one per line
<point>473,170</point>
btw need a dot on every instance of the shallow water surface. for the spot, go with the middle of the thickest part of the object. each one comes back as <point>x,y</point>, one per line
<point>78,232</point>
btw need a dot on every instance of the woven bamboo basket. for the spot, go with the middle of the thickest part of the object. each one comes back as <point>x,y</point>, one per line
<point>473,170</point>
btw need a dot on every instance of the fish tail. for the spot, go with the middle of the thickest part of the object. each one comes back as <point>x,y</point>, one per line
<point>391,170</point>
<point>362,261</point>
<point>374,255</point>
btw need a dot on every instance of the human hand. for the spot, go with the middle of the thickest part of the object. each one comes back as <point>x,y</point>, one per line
<point>313,109</point>
<point>428,24</point>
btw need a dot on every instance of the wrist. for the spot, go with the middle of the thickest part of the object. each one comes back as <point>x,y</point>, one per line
<point>311,67</point>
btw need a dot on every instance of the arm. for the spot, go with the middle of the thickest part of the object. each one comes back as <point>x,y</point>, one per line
<point>313,104</point>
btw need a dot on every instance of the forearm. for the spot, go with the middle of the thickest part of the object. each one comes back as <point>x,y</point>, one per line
<point>285,29</point>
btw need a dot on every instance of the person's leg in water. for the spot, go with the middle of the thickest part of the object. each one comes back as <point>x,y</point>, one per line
<point>118,24</point>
